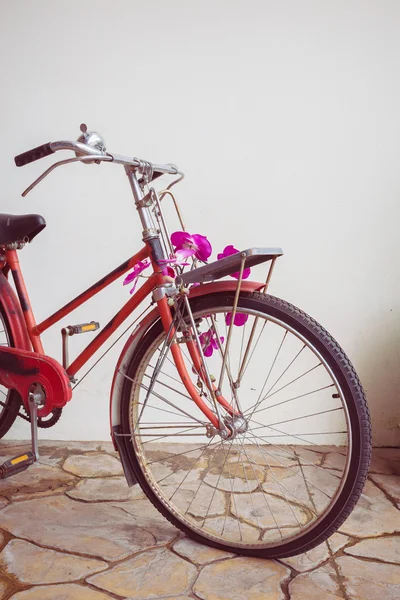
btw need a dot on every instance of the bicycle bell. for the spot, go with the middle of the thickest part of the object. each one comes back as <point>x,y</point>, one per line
<point>91,138</point>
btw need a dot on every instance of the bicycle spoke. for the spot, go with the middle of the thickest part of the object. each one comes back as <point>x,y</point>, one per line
<point>219,477</point>
<point>305,461</point>
<point>293,381</point>
<point>295,398</point>
<point>266,380</point>
<point>281,486</point>
<point>286,370</point>
<point>321,412</point>
<point>184,452</point>
<point>163,399</point>
<point>193,464</point>
<point>242,364</point>
<point>291,470</point>
<point>263,493</point>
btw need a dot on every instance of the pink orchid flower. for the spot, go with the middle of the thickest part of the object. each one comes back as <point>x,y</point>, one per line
<point>209,343</point>
<point>134,275</point>
<point>187,244</point>
<point>228,251</point>
<point>239,320</point>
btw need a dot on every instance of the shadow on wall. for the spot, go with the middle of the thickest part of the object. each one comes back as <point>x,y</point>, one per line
<point>378,367</point>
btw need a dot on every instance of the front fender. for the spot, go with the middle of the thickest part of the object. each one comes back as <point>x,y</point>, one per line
<point>138,333</point>
<point>13,313</point>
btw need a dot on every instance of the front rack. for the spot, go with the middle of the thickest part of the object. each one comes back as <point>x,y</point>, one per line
<point>230,264</point>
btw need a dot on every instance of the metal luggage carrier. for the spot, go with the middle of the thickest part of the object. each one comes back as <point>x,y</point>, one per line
<point>230,264</point>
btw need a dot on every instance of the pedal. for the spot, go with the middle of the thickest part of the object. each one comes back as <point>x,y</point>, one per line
<point>82,328</point>
<point>16,465</point>
<point>73,330</point>
<point>23,461</point>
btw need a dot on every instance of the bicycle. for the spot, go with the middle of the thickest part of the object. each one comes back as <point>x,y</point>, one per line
<point>240,417</point>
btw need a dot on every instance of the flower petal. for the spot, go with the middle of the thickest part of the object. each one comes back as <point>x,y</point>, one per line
<point>204,248</point>
<point>227,251</point>
<point>134,275</point>
<point>182,254</point>
<point>181,237</point>
<point>246,274</point>
<point>239,320</point>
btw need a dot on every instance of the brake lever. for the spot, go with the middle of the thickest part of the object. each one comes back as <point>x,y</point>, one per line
<point>65,162</point>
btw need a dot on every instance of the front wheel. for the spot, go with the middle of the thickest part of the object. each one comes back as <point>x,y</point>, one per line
<point>296,464</point>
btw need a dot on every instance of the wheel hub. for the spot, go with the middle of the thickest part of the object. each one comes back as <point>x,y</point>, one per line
<point>237,424</point>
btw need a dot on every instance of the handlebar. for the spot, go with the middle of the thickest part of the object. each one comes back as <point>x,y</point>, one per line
<point>34,154</point>
<point>80,148</point>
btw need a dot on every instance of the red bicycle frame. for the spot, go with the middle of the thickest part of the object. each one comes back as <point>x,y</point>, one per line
<point>34,330</point>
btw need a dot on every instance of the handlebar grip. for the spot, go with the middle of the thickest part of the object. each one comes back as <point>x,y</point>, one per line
<point>34,154</point>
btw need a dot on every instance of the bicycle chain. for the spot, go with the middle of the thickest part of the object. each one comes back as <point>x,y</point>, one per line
<point>43,424</point>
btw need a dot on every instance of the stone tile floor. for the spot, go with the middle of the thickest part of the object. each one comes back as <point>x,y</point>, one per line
<point>70,528</point>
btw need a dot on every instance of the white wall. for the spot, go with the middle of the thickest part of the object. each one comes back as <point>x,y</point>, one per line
<point>285,118</point>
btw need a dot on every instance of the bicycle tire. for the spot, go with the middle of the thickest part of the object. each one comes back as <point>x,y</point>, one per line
<point>343,370</point>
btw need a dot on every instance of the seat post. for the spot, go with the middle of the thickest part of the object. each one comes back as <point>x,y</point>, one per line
<point>13,261</point>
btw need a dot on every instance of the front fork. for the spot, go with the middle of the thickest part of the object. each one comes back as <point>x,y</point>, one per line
<point>200,366</point>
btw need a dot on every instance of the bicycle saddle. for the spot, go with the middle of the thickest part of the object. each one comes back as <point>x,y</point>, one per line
<point>15,228</point>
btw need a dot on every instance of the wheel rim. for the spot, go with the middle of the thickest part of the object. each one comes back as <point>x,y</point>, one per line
<point>269,485</point>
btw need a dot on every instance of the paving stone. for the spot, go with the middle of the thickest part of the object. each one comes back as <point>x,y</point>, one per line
<point>102,489</point>
<point>38,479</point>
<point>166,476</point>
<point>271,535</point>
<point>335,460</point>
<point>108,447</point>
<point>196,501</point>
<point>231,531</point>
<point>51,460</point>
<point>320,584</point>
<point>206,501</point>
<point>311,559</point>
<point>373,515</point>
<point>33,565</point>
<point>268,455</point>
<point>389,483</point>
<point>70,591</point>
<point>198,553</point>
<point>13,447</point>
<point>179,456</point>
<point>71,446</point>
<point>241,578</point>
<point>3,502</point>
<point>48,446</point>
<point>385,460</point>
<point>3,587</point>
<point>242,477</point>
<point>101,530</point>
<point>93,465</point>
<point>264,510</point>
<point>369,580</point>
<point>386,549</point>
<point>297,485</point>
<point>2,538</point>
<point>306,455</point>
<point>145,516</point>
<point>151,574</point>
